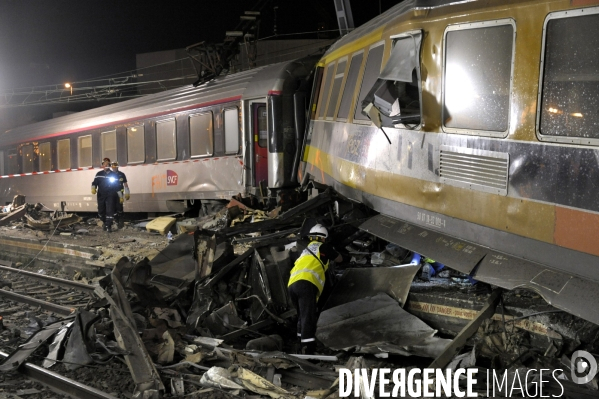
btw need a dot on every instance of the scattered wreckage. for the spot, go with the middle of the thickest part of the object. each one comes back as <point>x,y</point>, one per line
<point>210,315</point>
<point>36,216</point>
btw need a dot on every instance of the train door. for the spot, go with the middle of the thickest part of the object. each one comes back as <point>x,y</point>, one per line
<point>260,133</point>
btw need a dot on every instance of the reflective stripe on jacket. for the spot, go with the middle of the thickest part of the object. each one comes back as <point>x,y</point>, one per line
<point>308,267</point>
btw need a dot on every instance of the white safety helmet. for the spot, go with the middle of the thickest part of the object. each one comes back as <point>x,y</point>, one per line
<point>319,231</point>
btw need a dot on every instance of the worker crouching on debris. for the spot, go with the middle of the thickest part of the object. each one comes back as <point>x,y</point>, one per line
<point>307,282</point>
<point>106,184</point>
<point>123,193</point>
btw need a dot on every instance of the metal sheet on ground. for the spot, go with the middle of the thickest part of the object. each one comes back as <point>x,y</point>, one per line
<point>460,255</point>
<point>177,248</point>
<point>18,357</point>
<point>361,283</point>
<point>564,291</point>
<point>374,324</point>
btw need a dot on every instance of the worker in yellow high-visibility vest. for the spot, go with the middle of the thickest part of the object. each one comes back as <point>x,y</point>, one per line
<point>307,282</point>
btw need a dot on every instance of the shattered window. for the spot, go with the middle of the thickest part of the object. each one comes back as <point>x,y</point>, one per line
<point>45,157</point>
<point>84,144</point>
<point>201,135</point>
<point>64,154</point>
<point>166,141</point>
<point>27,158</point>
<point>371,73</point>
<point>350,85</point>
<point>394,98</point>
<point>136,150</point>
<point>570,97</point>
<point>109,145</point>
<point>340,72</point>
<point>324,95</point>
<point>12,165</point>
<point>232,131</point>
<point>477,82</point>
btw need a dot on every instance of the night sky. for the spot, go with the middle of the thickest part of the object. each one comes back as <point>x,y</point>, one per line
<point>54,41</point>
<point>51,42</point>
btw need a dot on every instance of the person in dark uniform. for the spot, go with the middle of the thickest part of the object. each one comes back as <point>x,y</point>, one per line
<point>106,184</point>
<point>123,194</point>
<point>307,282</point>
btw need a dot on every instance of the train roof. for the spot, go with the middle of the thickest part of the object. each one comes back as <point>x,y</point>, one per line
<point>257,82</point>
<point>389,15</point>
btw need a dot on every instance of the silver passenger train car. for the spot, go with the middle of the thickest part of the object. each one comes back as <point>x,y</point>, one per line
<point>473,128</point>
<point>240,133</point>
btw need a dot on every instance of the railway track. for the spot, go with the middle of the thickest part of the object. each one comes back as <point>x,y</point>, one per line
<point>59,383</point>
<point>26,294</point>
<point>53,294</point>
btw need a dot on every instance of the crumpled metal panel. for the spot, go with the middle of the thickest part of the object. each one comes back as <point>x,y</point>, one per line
<point>260,287</point>
<point>562,290</point>
<point>268,277</point>
<point>372,325</point>
<point>80,344</point>
<point>460,255</point>
<point>18,357</point>
<point>361,283</point>
<point>55,346</point>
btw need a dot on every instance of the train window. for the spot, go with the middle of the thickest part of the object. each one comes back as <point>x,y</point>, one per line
<point>12,164</point>
<point>371,73</point>
<point>109,145</point>
<point>201,135</point>
<point>64,154</point>
<point>166,140</point>
<point>232,131</point>
<point>136,150</point>
<point>325,89</point>
<point>339,74</point>
<point>84,147</point>
<point>45,157</point>
<point>27,158</point>
<point>1,163</point>
<point>394,99</point>
<point>569,104</point>
<point>262,126</point>
<point>478,76</point>
<point>350,85</point>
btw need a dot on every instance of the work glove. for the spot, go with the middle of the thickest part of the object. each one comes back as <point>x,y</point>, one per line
<point>93,190</point>
<point>121,200</point>
<point>127,196</point>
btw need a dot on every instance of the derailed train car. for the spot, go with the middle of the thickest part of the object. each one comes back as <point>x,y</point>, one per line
<point>473,128</point>
<point>238,134</point>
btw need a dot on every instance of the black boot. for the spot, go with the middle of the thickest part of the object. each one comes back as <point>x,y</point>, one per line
<point>308,348</point>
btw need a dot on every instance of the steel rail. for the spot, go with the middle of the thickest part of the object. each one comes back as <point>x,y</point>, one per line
<point>49,279</point>
<point>59,383</point>
<point>63,310</point>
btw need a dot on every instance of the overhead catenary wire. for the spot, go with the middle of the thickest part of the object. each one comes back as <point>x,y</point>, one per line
<point>117,86</point>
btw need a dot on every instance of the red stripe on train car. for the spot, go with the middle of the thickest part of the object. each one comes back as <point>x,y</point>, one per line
<point>275,92</point>
<point>172,111</point>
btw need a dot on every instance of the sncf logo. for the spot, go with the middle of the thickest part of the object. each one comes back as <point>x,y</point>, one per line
<point>171,178</point>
